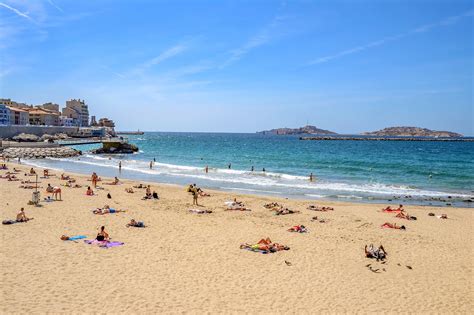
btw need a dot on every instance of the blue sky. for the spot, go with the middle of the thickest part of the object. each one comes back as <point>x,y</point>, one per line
<point>243,66</point>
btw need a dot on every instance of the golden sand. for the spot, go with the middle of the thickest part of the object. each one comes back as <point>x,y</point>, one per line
<point>190,263</point>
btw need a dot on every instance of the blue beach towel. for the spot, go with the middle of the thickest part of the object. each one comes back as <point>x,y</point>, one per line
<point>76,237</point>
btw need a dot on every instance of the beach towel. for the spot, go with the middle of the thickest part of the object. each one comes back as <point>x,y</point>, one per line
<point>256,250</point>
<point>104,244</point>
<point>7,222</point>
<point>76,237</point>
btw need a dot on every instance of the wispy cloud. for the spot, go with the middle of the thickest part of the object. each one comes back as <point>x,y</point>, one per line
<point>55,5</point>
<point>264,36</point>
<point>421,29</point>
<point>165,55</point>
<point>16,11</point>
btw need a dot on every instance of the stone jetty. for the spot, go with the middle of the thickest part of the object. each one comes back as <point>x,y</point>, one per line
<point>39,153</point>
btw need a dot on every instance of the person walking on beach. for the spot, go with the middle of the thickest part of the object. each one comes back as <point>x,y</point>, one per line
<point>229,166</point>
<point>207,169</point>
<point>120,166</point>
<point>252,169</point>
<point>311,177</point>
<point>151,164</point>
<point>154,160</point>
<point>94,179</point>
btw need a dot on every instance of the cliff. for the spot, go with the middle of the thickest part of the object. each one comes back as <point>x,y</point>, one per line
<point>310,130</point>
<point>413,132</point>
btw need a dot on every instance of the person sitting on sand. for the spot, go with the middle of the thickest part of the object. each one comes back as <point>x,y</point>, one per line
<point>393,226</point>
<point>236,205</point>
<point>129,190</point>
<point>378,253</point>
<point>32,171</point>
<point>285,211</point>
<point>148,192</point>
<point>389,209</point>
<point>272,205</point>
<point>46,173</point>
<point>139,186</point>
<point>3,167</point>
<point>102,235</point>
<point>21,216</point>
<point>155,195</point>
<point>64,177</point>
<point>89,191</point>
<point>134,223</point>
<point>298,229</point>
<point>202,193</point>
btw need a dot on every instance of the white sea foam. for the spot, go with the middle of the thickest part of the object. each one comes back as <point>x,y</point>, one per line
<point>269,182</point>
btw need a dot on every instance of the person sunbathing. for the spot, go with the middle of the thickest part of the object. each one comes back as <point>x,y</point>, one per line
<point>264,245</point>
<point>29,186</point>
<point>404,215</point>
<point>200,211</point>
<point>237,206</point>
<point>65,177</point>
<point>89,191</point>
<point>272,205</point>
<point>318,208</point>
<point>134,223</point>
<point>115,182</point>
<point>21,216</point>
<point>102,235</point>
<point>129,190</point>
<point>16,170</point>
<point>285,211</point>
<point>389,209</point>
<point>393,226</point>
<point>106,210</point>
<point>202,193</point>
<point>298,229</point>
<point>139,186</point>
<point>46,173</point>
<point>378,253</point>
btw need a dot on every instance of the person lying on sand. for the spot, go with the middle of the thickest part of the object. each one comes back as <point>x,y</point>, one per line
<point>200,211</point>
<point>298,229</point>
<point>70,185</point>
<point>134,223</point>
<point>202,193</point>
<point>106,210</point>
<point>102,235</point>
<point>140,186</point>
<point>89,191</point>
<point>16,170</point>
<point>129,190</point>
<point>404,215</point>
<point>320,220</point>
<point>29,186</point>
<point>21,216</point>
<point>236,205</point>
<point>65,177</point>
<point>272,206</point>
<point>10,178</point>
<point>389,209</point>
<point>285,211</point>
<point>393,226</point>
<point>378,253</point>
<point>115,182</point>
<point>265,246</point>
<point>318,208</point>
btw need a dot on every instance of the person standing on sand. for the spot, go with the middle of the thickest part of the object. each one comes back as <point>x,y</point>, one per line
<point>207,169</point>
<point>94,179</point>
<point>195,193</point>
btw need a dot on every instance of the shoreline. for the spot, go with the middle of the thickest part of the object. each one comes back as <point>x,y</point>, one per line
<point>181,254</point>
<point>442,201</point>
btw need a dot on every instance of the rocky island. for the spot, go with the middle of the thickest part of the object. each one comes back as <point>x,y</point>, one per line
<point>306,130</point>
<point>412,132</point>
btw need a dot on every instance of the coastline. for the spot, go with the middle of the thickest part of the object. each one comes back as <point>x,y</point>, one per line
<point>184,262</point>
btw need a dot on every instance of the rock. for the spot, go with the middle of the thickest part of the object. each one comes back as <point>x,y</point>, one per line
<point>25,137</point>
<point>116,148</point>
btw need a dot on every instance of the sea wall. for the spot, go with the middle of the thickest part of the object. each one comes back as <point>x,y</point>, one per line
<point>11,131</point>
<point>39,153</point>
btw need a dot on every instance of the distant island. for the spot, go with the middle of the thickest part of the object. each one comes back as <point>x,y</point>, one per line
<point>306,130</point>
<point>413,132</point>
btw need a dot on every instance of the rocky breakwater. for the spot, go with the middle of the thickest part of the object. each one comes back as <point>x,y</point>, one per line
<point>39,153</point>
<point>116,148</point>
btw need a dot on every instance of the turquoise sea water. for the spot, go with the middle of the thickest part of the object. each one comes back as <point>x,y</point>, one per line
<point>398,171</point>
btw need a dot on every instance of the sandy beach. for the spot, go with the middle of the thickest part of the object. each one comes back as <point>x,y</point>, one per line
<point>190,263</point>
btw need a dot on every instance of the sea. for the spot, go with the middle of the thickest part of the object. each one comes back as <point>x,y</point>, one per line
<point>406,172</point>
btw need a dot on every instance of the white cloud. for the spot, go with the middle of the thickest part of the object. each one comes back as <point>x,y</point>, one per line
<point>421,29</point>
